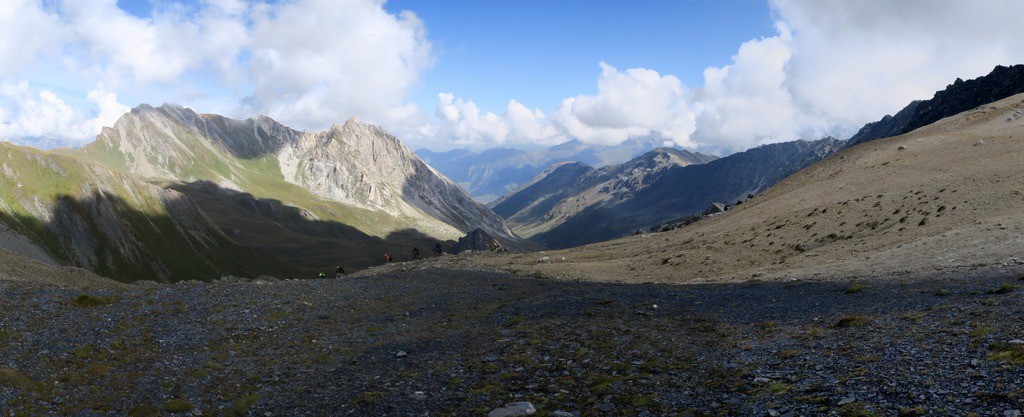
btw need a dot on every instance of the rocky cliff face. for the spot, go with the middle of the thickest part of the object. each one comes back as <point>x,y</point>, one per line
<point>365,166</point>
<point>958,97</point>
<point>171,141</point>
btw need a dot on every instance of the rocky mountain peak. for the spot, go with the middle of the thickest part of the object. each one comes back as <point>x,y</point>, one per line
<point>353,123</point>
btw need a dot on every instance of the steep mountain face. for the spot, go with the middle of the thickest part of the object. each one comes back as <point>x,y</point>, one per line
<point>653,188</point>
<point>169,194</point>
<point>365,166</point>
<point>493,173</point>
<point>944,198</point>
<point>958,97</point>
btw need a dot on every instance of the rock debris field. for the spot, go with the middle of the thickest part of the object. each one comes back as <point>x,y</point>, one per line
<point>436,342</point>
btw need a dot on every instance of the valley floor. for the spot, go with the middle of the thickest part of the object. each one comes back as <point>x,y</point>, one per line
<point>444,342</point>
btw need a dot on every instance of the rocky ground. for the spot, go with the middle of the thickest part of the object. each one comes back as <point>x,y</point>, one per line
<point>444,342</point>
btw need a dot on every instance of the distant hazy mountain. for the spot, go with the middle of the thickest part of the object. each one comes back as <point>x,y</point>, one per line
<point>495,172</point>
<point>573,204</point>
<point>958,97</point>
<point>170,194</point>
<point>43,142</point>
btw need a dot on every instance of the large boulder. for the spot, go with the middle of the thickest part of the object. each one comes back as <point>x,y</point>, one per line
<point>477,240</point>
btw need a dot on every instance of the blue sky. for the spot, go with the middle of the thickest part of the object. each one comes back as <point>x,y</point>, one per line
<point>540,52</point>
<point>715,76</point>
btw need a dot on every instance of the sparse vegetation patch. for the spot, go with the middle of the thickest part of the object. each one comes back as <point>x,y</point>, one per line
<point>1005,288</point>
<point>852,321</point>
<point>15,379</point>
<point>178,405</point>
<point>86,300</point>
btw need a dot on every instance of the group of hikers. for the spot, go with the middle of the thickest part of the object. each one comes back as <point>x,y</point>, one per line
<point>388,258</point>
<point>438,251</point>
<point>338,273</point>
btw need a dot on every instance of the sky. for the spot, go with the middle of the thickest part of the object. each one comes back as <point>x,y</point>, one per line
<point>713,76</point>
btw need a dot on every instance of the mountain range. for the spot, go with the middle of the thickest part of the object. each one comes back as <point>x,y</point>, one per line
<point>574,204</point>
<point>492,173</point>
<point>169,194</point>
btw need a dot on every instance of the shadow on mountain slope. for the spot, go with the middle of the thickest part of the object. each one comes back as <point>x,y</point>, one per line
<point>295,234</point>
<point>109,236</point>
<point>203,233</point>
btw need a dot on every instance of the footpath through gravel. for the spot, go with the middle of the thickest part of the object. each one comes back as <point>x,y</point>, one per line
<point>442,342</point>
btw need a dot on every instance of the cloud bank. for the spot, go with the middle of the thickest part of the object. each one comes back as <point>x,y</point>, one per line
<point>69,67</point>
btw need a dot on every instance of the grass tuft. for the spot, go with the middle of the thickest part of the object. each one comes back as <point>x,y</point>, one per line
<point>145,410</point>
<point>242,406</point>
<point>178,405</point>
<point>855,410</point>
<point>851,320</point>
<point>86,300</point>
<point>14,379</point>
<point>856,288</point>
<point>1005,352</point>
<point>1006,288</point>
<point>912,411</point>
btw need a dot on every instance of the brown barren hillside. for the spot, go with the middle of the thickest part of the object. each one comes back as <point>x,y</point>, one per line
<point>17,267</point>
<point>947,196</point>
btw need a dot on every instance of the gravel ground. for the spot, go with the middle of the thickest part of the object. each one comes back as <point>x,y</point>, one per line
<point>448,342</point>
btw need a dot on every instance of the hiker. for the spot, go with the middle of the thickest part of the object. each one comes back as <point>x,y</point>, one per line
<point>415,253</point>
<point>387,257</point>
<point>339,272</point>
<point>438,250</point>
<point>321,275</point>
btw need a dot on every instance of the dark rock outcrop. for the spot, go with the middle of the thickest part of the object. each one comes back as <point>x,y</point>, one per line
<point>958,97</point>
<point>477,240</point>
<point>714,210</point>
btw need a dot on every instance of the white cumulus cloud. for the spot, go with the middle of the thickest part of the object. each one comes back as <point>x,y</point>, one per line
<point>834,66</point>
<point>462,123</point>
<point>829,68</point>
<point>628,103</point>
<point>307,63</point>
<point>41,114</point>
<point>319,61</point>
<point>26,31</point>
